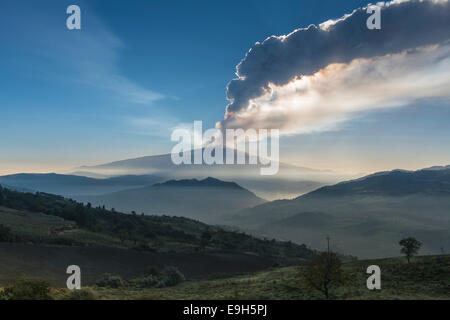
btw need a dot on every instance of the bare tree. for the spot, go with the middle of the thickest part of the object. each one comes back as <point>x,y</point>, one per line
<point>324,272</point>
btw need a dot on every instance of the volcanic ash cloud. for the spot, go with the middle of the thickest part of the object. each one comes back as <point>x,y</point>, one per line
<point>317,77</point>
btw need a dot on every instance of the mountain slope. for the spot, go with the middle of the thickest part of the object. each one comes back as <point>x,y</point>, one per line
<point>206,199</point>
<point>365,217</point>
<point>69,185</point>
<point>394,183</point>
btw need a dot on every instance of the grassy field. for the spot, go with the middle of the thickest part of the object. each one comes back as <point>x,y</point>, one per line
<point>426,277</point>
<point>30,224</point>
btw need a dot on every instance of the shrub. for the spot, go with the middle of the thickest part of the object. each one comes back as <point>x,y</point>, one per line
<point>111,281</point>
<point>154,271</point>
<point>171,276</point>
<point>27,289</point>
<point>154,278</point>
<point>145,281</point>
<point>4,295</point>
<point>82,294</point>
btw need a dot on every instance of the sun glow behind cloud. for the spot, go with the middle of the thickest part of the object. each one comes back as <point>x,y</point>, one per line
<point>340,91</point>
<point>315,78</point>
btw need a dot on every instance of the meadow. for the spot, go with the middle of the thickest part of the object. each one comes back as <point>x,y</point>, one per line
<point>425,278</point>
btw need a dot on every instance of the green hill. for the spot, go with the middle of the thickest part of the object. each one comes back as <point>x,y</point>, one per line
<point>33,226</point>
<point>206,199</point>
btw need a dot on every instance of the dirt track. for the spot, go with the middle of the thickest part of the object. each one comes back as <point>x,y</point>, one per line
<point>50,263</point>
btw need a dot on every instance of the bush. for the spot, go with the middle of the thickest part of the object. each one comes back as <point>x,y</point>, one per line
<point>154,278</point>
<point>154,271</point>
<point>27,289</point>
<point>145,281</point>
<point>111,281</point>
<point>171,276</point>
<point>82,294</point>
<point>4,295</point>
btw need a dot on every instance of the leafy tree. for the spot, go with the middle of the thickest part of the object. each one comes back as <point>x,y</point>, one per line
<point>410,247</point>
<point>324,273</point>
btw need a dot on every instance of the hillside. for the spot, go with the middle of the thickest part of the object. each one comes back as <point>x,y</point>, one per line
<point>394,183</point>
<point>33,226</point>
<point>207,199</point>
<point>364,217</point>
<point>70,185</point>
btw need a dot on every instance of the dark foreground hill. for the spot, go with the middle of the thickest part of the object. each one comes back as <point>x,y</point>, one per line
<point>427,278</point>
<point>365,217</point>
<point>206,199</point>
<point>41,233</point>
<point>50,262</point>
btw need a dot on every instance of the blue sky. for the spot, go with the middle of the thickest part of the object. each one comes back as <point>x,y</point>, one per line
<point>137,69</point>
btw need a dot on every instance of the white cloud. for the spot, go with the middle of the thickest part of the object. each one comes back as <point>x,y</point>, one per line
<point>340,91</point>
<point>317,77</point>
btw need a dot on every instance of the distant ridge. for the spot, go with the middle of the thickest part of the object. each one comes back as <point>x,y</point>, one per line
<point>70,185</point>
<point>207,200</point>
<point>208,182</point>
<point>393,183</point>
<point>438,168</point>
<point>12,188</point>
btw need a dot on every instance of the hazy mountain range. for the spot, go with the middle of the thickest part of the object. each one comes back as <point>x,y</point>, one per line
<point>288,183</point>
<point>365,217</point>
<point>207,200</point>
